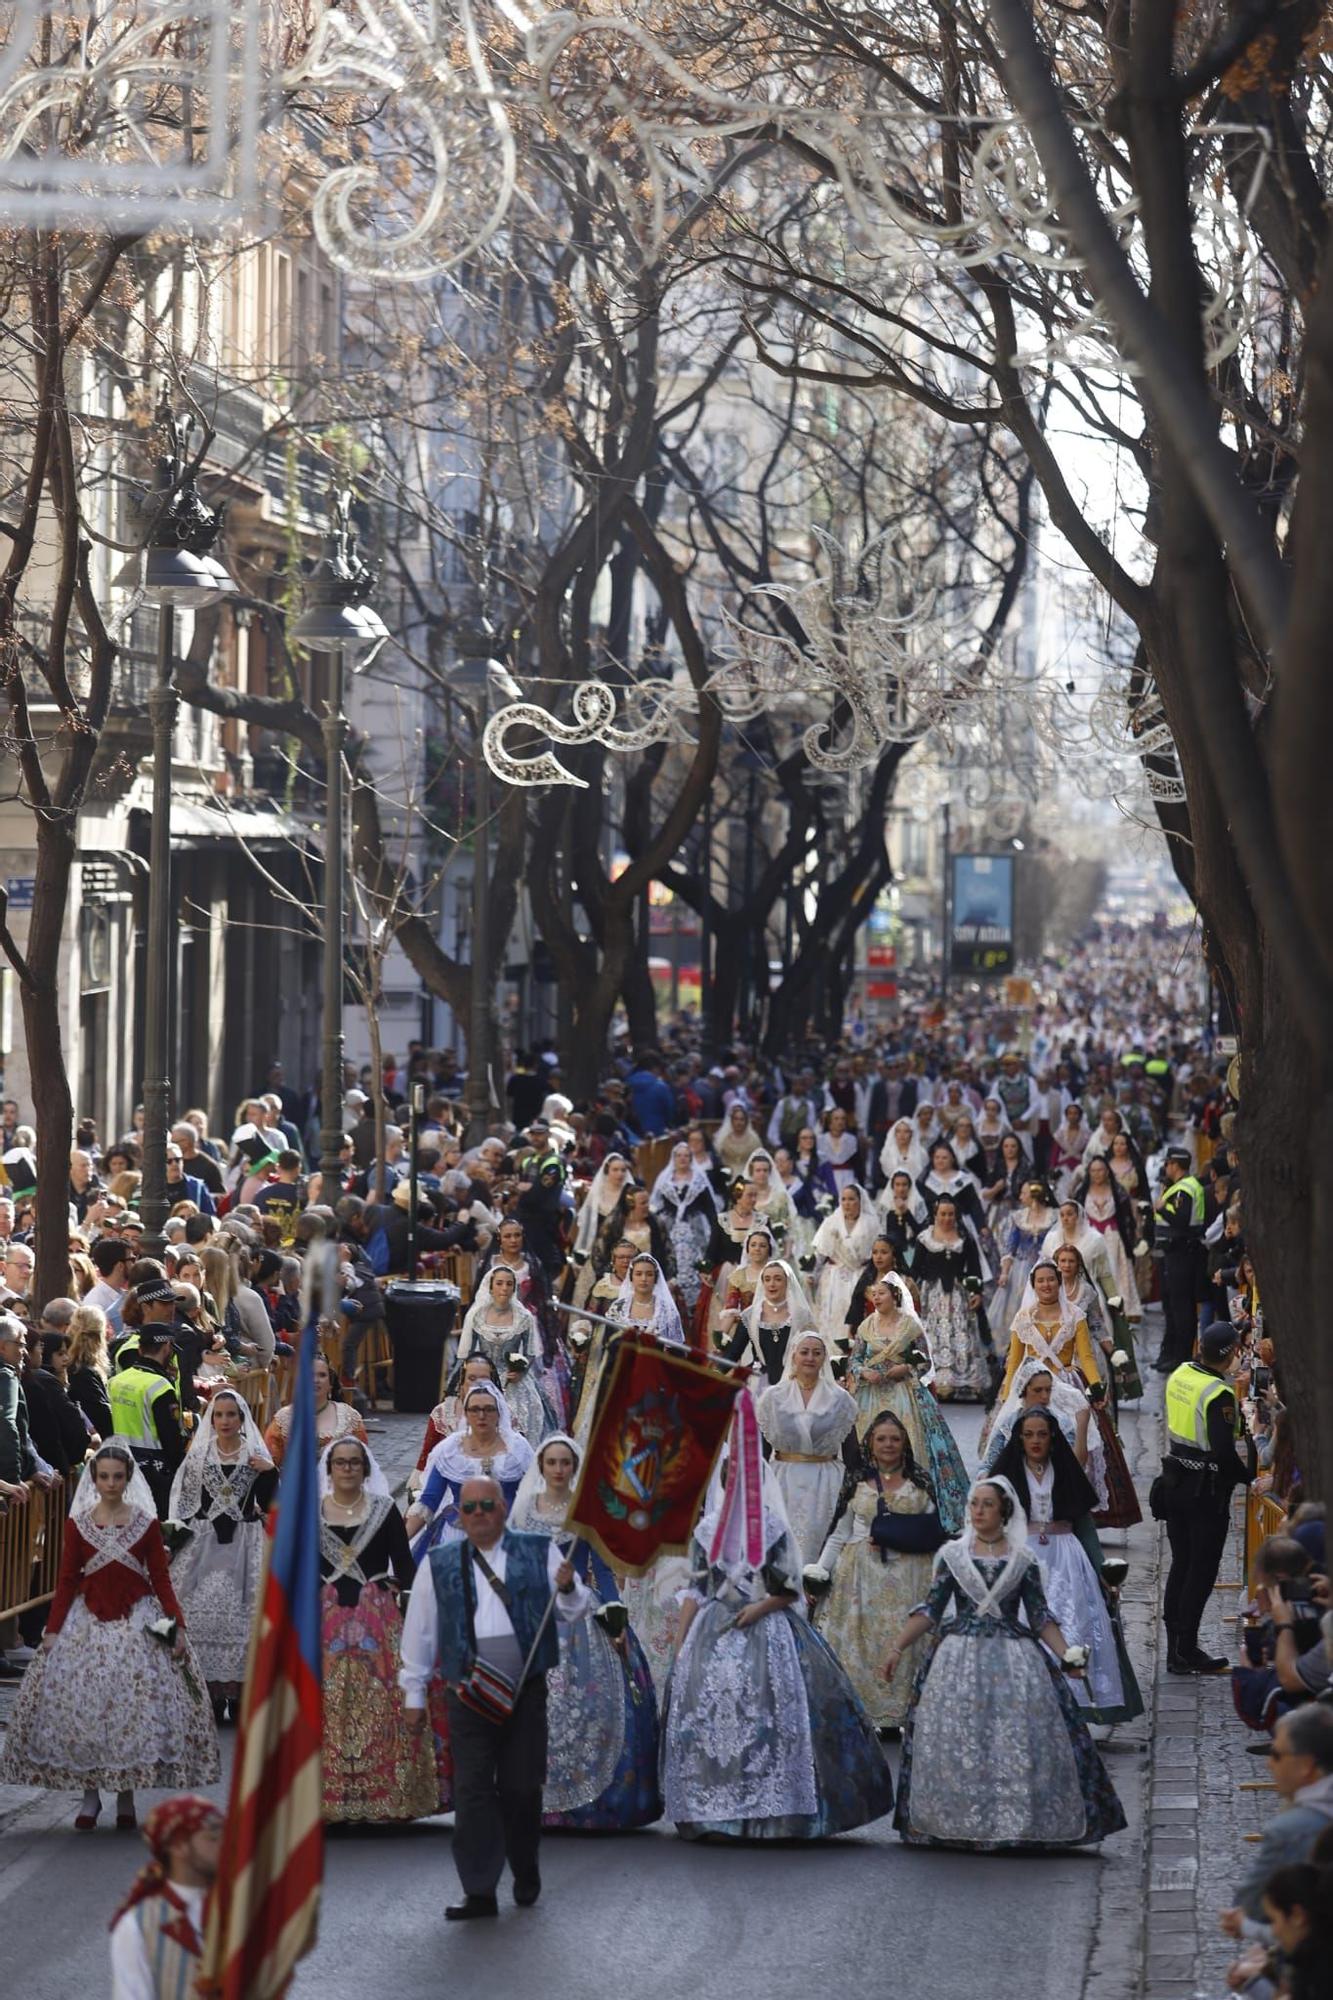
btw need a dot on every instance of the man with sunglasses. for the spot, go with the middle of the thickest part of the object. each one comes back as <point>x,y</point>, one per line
<point>1301,1761</point>
<point>487,1603</point>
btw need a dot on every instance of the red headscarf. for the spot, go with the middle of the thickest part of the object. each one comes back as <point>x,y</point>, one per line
<point>171,1821</point>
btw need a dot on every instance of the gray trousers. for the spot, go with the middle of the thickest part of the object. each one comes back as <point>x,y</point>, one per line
<point>499,1771</point>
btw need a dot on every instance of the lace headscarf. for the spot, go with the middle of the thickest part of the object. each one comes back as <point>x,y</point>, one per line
<point>665,1322</point>
<point>508,1435</point>
<point>376,1486</point>
<point>892,1158</point>
<point>523,1514</point>
<point>666,1188</point>
<point>188,1485</point>
<point>859,1238</point>
<point>137,1494</point>
<point>524,1326</point>
<point>595,1209</point>
<point>959,1556</point>
<point>801,1313</point>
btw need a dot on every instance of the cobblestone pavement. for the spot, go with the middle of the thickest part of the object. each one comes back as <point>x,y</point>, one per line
<point>1209,1799</point>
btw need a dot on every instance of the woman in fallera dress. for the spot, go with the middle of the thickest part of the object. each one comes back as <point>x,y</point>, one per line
<point>889,1368</point>
<point>684,1204</point>
<point>498,1327</point>
<point>1039,1464</point>
<point>374,1767</point>
<point>726,1247</point>
<point>1050,1327</point>
<point>765,1330</point>
<point>222,1489</point>
<point>947,1265</point>
<point>996,1753</point>
<point>763,1737</point>
<point>902,1217</point>
<point>877,1564</point>
<point>486,1443</point>
<point>1019,1244</point>
<point>737,1285</point>
<point>842,1244</point>
<point>601,1765</point>
<point>810,1424</point>
<point>598,1205</point>
<point>333,1418</point>
<point>105,1706</point>
<point>773,1205</point>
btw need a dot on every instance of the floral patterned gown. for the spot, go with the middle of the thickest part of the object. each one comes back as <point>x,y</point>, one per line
<point>601,1716</point>
<point>217,1572</point>
<point>872,1594</point>
<point>763,1736</point>
<point>996,1753</point>
<point>374,1768</point>
<point>109,1706</point>
<point>909,1400</point>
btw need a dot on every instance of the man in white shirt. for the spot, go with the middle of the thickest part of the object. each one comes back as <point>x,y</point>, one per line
<point>112,1257</point>
<point>485,1604</point>
<point>157,1934</point>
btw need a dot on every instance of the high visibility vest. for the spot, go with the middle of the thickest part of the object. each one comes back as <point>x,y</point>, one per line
<point>1157,1067</point>
<point>132,1394</point>
<point>1190,1393</point>
<point>1191,1188</point>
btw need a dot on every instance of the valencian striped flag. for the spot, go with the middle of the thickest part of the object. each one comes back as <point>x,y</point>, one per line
<point>264,1909</point>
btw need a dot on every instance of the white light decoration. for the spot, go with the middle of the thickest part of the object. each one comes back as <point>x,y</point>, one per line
<point>93,127</point>
<point>877,664</point>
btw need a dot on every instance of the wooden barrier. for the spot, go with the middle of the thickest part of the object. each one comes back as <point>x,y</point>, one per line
<point>375,1363</point>
<point>31,1539</point>
<point>458,1267</point>
<point>651,1156</point>
<point>284,1380</point>
<point>255,1387</point>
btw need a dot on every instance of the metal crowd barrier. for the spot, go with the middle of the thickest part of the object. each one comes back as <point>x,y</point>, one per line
<point>31,1539</point>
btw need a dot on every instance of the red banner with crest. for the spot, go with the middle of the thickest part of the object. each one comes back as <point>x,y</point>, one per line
<point>662,1420</point>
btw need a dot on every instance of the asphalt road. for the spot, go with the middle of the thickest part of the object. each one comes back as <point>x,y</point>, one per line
<point>645,1913</point>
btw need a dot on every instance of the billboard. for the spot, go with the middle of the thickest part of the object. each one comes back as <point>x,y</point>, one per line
<point>981,915</point>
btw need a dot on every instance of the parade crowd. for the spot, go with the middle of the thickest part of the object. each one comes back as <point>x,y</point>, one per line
<point>981,1207</point>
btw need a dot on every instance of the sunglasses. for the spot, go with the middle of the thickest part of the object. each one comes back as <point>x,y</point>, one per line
<point>476,1506</point>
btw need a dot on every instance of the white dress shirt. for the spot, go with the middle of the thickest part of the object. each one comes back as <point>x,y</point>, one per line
<point>421,1644</point>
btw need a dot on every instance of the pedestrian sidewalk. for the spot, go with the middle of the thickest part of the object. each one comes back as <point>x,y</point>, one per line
<point>1205,1797</point>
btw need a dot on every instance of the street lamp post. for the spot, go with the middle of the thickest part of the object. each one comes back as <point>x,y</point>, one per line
<point>475,642</point>
<point>948,890</point>
<point>338,622</point>
<point>178,570</point>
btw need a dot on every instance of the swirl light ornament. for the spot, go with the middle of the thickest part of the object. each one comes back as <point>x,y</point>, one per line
<point>93,105</point>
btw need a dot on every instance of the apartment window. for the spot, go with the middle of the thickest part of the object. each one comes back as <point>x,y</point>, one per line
<point>282,312</point>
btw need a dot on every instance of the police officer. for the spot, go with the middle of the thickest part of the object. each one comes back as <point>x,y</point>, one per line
<point>144,1398</point>
<point>1180,1207</point>
<point>1193,1496</point>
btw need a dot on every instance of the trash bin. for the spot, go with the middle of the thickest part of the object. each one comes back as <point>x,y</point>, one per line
<point>420,1318</point>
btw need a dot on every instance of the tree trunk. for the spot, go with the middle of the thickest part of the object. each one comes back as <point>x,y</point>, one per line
<point>640,995</point>
<point>53,1111</point>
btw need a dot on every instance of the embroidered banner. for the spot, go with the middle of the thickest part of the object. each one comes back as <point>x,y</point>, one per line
<point>661,1421</point>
